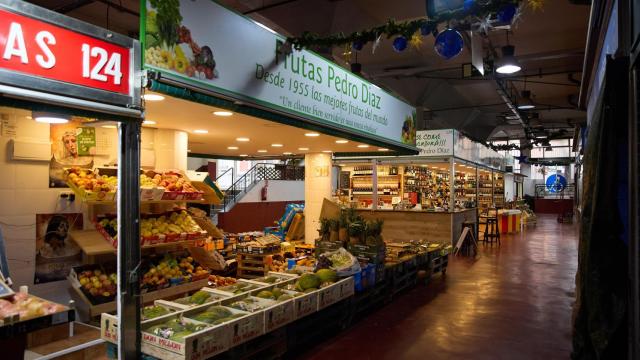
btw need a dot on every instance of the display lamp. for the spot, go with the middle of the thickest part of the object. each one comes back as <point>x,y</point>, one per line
<point>50,118</point>
<point>508,64</point>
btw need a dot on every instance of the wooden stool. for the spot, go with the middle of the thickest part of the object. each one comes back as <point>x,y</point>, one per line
<point>492,232</point>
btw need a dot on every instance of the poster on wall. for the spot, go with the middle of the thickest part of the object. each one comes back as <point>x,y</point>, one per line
<point>71,145</point>
<point>56,252</point>
<point>435,142</point>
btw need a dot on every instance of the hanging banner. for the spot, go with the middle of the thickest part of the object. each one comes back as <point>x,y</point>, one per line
<point>45,51</point>
<point>207,45</point>
<point>435,142</point>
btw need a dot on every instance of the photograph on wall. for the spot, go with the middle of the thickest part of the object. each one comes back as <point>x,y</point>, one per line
<point>71,145</point>
<point>56,252</point>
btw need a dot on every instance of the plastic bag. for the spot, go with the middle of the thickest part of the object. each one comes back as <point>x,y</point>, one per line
<point>341,261</point>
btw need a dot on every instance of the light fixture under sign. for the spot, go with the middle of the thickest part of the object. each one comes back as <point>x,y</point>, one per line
<point>50,118</point>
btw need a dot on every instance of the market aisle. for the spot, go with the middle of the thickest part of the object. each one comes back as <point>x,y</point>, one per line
<point>512,302</point>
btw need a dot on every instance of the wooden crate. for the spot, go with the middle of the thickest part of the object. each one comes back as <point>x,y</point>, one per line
<point>251,266</point>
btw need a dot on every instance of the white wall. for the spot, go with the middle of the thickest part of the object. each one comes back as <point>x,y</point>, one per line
<point>509,187</point>
<point>278,190</point>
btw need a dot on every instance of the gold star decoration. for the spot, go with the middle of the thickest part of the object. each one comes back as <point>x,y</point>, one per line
<point>536,4</point>
<point>416,40</point>
<point>347,53</point>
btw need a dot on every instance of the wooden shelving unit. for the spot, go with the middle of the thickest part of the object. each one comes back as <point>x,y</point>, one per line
<point>251,266</point>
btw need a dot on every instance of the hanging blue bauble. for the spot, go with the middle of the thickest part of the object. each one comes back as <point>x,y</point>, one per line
<point>400,44</point>
<point>506,13</point>
<point>426,29</point>
<point>449,43</point>
<point>357,45</point>
<point>468,4</point>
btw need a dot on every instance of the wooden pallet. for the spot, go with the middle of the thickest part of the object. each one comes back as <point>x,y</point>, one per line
<point>251,266</point>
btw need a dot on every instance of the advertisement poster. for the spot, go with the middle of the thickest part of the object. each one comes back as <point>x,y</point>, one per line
<point>191,40</point>
<point>435,142</point>
<point>71,145</point>
<point>56,253</point>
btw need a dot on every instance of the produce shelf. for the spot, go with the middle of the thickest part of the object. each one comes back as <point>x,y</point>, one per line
<point>9,328</point>
<point>95,310</point>
<point>98,202</point>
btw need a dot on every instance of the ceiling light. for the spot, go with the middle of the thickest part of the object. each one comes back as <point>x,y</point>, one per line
<point>200,131</point>
<point>243,155</point>
<point>342,141</point>
<point>262,151</point>
<point>542,136</point>
<point>188,150</point>
<point>527,103</point>
<point>303,149</point>
<point>50,118</point>
<point>277,145</point>
<point>363,146</point>
<point>109,127</point>
<point>232,147</point>
<point>311,134</point>
<point>383,149</point>
<point>327,151</point>
<point>508,63</point>
<point>243,139</point>
<point>287,153</point>
<point>148,122</point>
<point>153,97</point>
<point>222,113</point>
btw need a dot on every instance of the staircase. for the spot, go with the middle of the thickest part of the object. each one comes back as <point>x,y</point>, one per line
<point>241,186</point>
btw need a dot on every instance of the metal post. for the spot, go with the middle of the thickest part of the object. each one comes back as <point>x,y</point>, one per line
<point>129,241</point>
<point>452,185</point>
<point>374,184</point>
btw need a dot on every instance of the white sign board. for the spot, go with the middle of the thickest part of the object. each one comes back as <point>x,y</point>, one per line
<point>230,54</point>
<point>435,142</point>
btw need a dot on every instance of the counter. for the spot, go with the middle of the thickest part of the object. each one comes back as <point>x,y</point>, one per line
<point>407,225</point>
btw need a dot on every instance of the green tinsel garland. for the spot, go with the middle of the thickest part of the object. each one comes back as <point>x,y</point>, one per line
<point>391,28</point>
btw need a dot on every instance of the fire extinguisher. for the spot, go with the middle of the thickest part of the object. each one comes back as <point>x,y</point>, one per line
<point>263,191</point>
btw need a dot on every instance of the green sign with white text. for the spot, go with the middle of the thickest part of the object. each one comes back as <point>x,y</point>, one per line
<point>206,44</point>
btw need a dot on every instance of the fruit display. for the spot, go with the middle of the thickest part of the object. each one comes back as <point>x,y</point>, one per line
<point>90,184</point>
<point>239,288</point>
<point>251,304</point>
<point>175,329</point>
<point>278,263</point>
<point>327,276</point>
<point>27,307</point>
<point>308,281</point>
<point>99,286</point>
<point>172,271</point>
<point>216,315</point>
<point>198,298</point>
<point>217,280</point>
<point>154,311</point>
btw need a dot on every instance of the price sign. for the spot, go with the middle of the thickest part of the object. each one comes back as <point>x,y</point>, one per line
<point>68,54</point>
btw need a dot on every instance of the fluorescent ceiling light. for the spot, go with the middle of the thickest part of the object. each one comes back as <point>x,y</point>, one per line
<point>303,149</point>
<point>327,151</point>
<point>287,153</point>
<point>109,126</point>
<point>262,151</point>
<point>148,122</point>
<point>311,134</point>
<point>277,145</point>
<point>341,141</point>
<point>363,146</point>
<point>232,147</point>
<point>243,155</point>
<point>222,113</point>
<point>243,139</point>
<point>383,149</point>
<point>153,97</point>
<point>50,118</point>
<point>200,131</point>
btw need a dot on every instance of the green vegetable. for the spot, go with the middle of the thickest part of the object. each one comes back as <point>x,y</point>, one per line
<point>151,312</point>
<point>151,40</point>
<point>152,25</point>
<point>200,297</point>
<point>168,20</point>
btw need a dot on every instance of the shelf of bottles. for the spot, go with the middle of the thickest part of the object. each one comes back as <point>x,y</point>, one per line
<point>498,189</point>
<point>429,187</point>
<point>465,184</point>
<point>362,181</point>
<point>485,189</point>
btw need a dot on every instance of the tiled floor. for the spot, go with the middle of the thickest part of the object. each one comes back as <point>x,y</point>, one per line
<point>511,302</point>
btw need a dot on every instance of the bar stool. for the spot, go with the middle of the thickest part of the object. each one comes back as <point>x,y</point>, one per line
<point>492,232</point>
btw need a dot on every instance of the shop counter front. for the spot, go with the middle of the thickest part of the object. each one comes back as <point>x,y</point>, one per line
<point>509,221</point>
<point>406,225</point>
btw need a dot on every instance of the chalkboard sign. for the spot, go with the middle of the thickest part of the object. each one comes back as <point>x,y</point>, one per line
<point>345,180</point>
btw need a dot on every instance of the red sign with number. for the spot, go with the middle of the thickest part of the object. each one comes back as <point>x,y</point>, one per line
<point>37,48</point>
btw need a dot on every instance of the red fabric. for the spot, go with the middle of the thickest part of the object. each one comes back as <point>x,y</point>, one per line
<point>252,216</point>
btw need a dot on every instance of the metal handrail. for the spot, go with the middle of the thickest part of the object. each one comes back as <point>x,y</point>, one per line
<point>224,173</point>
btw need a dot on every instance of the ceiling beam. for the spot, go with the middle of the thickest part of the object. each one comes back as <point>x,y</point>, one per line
<point>269,6</point>
<point>72,6</point>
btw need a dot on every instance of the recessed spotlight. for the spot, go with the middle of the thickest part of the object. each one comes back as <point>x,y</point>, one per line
<point>222,113</point>
<point>243,155</point>
<point>303,149</point>
<point>262,151</point>
<point>188,150</point>
<point>200,131</point>
<point>287,153</point>
<point>363,146</point>
<point>232,147</point>
<point>312,134</point>
<point>327,151</point>
<point>148,122</point>
<point>277,145</point>
<point>109,127</point>
<point>342,141</point>
<point>383,149</point>
<point>153,97</point>
<point>243,139</point>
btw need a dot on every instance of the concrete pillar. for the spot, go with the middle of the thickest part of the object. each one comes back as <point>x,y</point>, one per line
<point>171,149</point>
<point>317,187</point>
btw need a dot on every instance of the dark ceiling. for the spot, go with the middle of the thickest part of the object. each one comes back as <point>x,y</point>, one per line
<point>549,44</point>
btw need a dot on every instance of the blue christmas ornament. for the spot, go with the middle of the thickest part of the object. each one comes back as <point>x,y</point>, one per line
<point>468,4</point>
<point>357,45</point>
<point>426,29</point>
<point>506,13</point>
<point>400,44</point>
<point>449,44</point>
